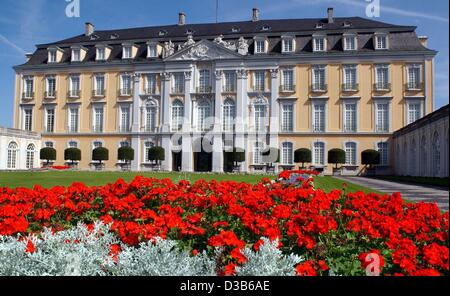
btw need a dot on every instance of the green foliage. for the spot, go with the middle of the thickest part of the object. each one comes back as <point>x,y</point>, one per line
<point>370,157</point>
<point>302,155</point>
<point>100,154</point>
<point>72,154</point>
<point>231,158</point>
<point>48,154</point>
<point>125,153</point>
<point>336,156</point>
<point>156,154</point>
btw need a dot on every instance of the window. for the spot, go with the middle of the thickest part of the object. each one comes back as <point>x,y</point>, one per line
<point>177,115</point>
<point>259,81</point>
<point>150,118</point>
<point>414,77</point>
<point>319,44</point>
<point>260,46</point>
<point>203,116</point>
<point>49,120</point>
<point>13,149</point>
<point>124,144</point>
<point>287,45</point>
<point>229,81</point>
<point>287,117</point>
<point>350,117</point>
<point>350,153</point>
<point>101,54</point>
<point>52,56</point>
<point>97,144</point>
<point>50,87</point>
<point>257,153</point>
<point>319,153</point>
<point>178,83</point>
<point>127,52</point>
<point>99,85</point>
<point>414,111</point>
<point>288,80</point>
<point>125,85</point>
<point>436,155</point>
<point>76,55</point>
<point>28,87</point>
<point>382,148</point>
<point>381,42</point>
<point>73,119</point>
<point>229,114</point>
<point>147,146</point>
<point>152,51</point>
<point>319,117</point>
<point>29,164</point>
<point>124,119</point>
<point>49,144</point>
<point>382,77</point>
<point>318,78</point>
<point>73,144</point>
<point>260,120</point>
<point>204,81</point>
<point>382,117</point>
<point>349,82</point>
<point>97,126</point>
<point>28,119</point>
<point>150,84</point>
<point>349,43</point>
<point>74,86</point>
<point>287,153</point>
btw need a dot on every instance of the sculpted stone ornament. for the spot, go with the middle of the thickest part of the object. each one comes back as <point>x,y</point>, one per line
<point>169,49</point>
<point>199,52</point>
<point>242,46</point>
<point>230,45</point>
<point>190,41</point>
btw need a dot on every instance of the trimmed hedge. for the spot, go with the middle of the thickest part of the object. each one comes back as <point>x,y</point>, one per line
<point>156,154</point>
<point>48,154</point>
<point>232,157</point>
<point>100,154</point>
<point>302,156</point>
<point>370,157</point>
<point>72,154</point>
<point>336,156</point>
<point>125,153</point>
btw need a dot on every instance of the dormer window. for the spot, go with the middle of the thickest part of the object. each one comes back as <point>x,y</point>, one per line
<point>349,42</point>
<point>76,55</point>
<point>101,54</point>
<point>319,26</point>
<point>52,56</point>
<point>152,50</point>
<point>287,45</point>
<point>319,43</point>
<point>260,46</point>
<point>127,52</point>
<point>381,41</point>
<point>235,30</point>
<point>114,36</point>
<point>265,28</point>
<point>162,33</point>
<point>347,24</point>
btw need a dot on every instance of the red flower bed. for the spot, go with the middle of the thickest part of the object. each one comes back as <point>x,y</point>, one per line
<point>331,230</point>
<point>60,168</point>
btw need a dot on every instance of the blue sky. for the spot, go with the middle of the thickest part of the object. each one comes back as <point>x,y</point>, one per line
<point>24,23</point>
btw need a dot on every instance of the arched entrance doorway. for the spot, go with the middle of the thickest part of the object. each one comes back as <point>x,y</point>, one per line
<point>202,157</point>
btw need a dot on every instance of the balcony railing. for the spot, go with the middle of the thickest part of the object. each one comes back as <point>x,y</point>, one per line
<point>382,128</point>
<point>125,92</point>
<point>350,87</point>
<point>382,86</point>
<point>319,87</point>
<point>97,129</point>
<point>50,94</point>
<point>349,128</point>
<point>229,89</point>
<point>177,90</point>
<point>258,88</point>
<point>318,128</point>
<point>287,88</point>
<point>203,89</point>
<point>124,129</point>
<point>150,129</point>
<point>414,86</point>
<point>150,91</point>
<point>176,128</point>
<point>28,95</point>
<point>74,93</point>
<point>99,93</point>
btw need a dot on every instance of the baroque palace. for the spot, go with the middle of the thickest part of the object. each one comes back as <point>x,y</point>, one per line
<point>323,83</point>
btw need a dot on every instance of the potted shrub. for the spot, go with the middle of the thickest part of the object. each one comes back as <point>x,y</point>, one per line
<point>157,155</point>
<point>72,155</point>
<point>302,155</point>
<point>100,154</point>
<point>48,154</point>
<point>336,156</point>
<point>125,154</point>
<point>370,158</point>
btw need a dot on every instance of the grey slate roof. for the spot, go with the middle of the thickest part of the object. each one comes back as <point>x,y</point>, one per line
<point>402,38</point>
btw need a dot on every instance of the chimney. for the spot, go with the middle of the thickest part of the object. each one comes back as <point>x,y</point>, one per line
<point>89,29</point>
<point>181,19</point>
<point>255,17</point>
<point>330,15</point>
<point>423,40</point>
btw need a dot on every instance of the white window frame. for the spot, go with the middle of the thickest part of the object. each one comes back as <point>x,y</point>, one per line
<point>317,86</point>
<point>46,120</point>
<point>28,92</point>
<point>30,158</point>
<point>262,87</point>
<point>152,50</point>
<point>414,85</point>
<point>382,85</point>
<point>377,39</point>
<point>316,47</point>
<point>97,91</point>
<point>285,125</point>
<point>345,128</point>
<point>260,123</point>
<point>151,116</point>
<point>257,150</point>
<point>147,146</point>
<point>76,55</point>
<point>50,93</point>
<point>345,41</point>
<point>27,126</point>
<point>98,127</point>
<point>284,46</point>
<point>345,76</point>
<point>70,142</point>
<point>354,153</point>
<point>204,80</point>
<point>287,153</point>
<point>384,152</point>
<point>230,81</point>
<point>314,128</point>
<point>52,56</point>
<point>413,101</point>
<point>127,127</point>
<point>126,91</point>
<point>74,93</point>
<point>12,161</point>
<point>70,128</point>
<point>178,83</point>
<point>127,52</point>
<point>176,118</point>
<point>257,48</point>
<point>100,53</point>
<point>285,87</point>
<point>387,102</point>
<point>314,161</point>
<point>228,115</point>
<point>150,83</point>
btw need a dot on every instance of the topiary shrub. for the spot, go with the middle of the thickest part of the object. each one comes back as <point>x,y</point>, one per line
<point>100,154</point>
<point>125,154</point>
<point>72,155</point>
<point>370,157</point>
<point>302,155</point>
<point>233,158</point>
<point>336,156</point>
<point>48,154</point>
<point>156,154</point>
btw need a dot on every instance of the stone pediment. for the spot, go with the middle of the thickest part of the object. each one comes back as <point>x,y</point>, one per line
<point>204,50</point>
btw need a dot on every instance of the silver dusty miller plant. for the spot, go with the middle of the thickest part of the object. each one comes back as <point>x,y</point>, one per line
<point>268,261</point>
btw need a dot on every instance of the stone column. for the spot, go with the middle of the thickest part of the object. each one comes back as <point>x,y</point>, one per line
<point>242,115</point>
<point>187,156</point>
<point>135,127</point>
<point>217,141</point>
<point>274,110</point>
<point>166,141</point>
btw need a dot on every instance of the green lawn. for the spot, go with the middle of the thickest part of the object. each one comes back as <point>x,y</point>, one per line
<point>49,179</point>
